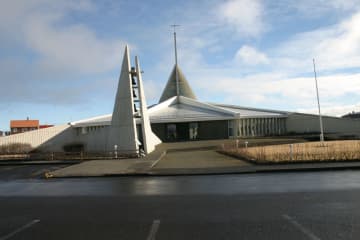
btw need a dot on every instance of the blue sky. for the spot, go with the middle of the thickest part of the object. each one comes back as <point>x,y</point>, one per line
<point>60,60</point>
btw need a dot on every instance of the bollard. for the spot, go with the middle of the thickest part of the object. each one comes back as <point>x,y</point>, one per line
<point>237,143</point>
<point>115,150</point>
<point>246,144</point>
<point>291,151</point>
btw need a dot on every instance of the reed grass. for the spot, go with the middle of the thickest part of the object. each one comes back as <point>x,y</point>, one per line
<point>300,152</point>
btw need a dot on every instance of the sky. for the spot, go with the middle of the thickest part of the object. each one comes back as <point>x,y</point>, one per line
<point>60,59</point>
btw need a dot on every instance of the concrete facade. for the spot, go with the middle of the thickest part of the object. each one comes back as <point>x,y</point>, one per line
<point>298,123</point>
<point>123,136</point>
<point>148,138</point>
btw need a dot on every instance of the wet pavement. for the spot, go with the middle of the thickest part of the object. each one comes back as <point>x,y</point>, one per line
<point>297,205</point>
<point>27,171</point>
<point>185,185</point>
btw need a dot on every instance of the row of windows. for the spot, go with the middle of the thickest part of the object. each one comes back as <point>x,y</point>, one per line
<point>86,130</point>
<point>15,130</point>
<point>258,127</point>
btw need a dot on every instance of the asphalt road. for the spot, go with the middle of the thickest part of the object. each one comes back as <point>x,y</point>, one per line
<point>297,205</point>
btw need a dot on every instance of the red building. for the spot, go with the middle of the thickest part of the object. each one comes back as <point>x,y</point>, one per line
<point>20,126</point>
<point>45,126</point>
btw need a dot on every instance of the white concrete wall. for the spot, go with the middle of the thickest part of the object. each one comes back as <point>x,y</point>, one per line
<point>123,126</point>
<point>54,139</point>
<point>306,123</point>
<point>149,139</point>
<point>36,137</point>
<point>93,140</point>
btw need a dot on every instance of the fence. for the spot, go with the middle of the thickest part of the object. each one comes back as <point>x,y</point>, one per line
<point>51,156</point>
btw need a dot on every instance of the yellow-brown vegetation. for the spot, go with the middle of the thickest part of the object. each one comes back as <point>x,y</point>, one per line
<point>300,152</point>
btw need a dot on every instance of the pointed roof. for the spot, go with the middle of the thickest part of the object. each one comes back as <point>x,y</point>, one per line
<point>171,86</point>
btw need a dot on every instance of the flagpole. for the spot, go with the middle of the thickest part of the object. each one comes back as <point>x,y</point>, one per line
<point>318,101</point>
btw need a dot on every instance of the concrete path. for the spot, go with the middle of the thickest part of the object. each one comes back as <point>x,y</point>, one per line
<point>104,167</point>
<point>182,161</point>
<point>97,168</point>
<point>198,159</point>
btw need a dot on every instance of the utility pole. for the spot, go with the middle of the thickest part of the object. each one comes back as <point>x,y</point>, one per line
<point>176,61</point>
<point>318,101</point>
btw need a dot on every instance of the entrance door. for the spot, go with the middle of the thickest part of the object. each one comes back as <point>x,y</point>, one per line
<point>171,133</point>
<point>193,130</point>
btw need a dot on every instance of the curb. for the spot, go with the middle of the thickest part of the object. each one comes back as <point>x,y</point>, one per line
<point>216,171</point>
<point>15,162</point>
<point>251,169</point>
<point>159,158</point>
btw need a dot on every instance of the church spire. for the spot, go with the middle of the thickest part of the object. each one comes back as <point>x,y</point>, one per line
<point>176,61</point>
<point>172,86</point>
<point>177,85</point>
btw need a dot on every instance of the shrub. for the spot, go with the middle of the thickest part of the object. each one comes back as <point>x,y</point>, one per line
<point>14,148</point>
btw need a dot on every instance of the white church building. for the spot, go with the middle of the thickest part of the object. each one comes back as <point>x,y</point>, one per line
<point>179,116</point>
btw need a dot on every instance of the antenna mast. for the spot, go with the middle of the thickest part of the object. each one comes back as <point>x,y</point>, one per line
<point>176,61</point>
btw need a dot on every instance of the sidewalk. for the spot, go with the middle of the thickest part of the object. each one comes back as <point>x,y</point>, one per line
<point>36,162</point>
<point>186,159</point>
<point>257,169</point>
<point>97,168</point>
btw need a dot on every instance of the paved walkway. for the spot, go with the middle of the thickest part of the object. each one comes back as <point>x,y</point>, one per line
<point>97,168</point>
<point>104,167</point>
<point>190,160</point>
<point>198,159</point>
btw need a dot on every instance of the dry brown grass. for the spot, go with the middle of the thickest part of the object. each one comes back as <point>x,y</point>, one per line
<point>301,152</point>
<point>15,148</point>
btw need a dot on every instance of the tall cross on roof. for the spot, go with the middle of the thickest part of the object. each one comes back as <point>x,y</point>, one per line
<point>175,47</point>
<point>176,62</point>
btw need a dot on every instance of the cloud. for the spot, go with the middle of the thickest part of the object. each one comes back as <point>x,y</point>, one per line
<point>14,14</point>
<point>250,56</point>
<point>334,110</point>
<point>74,48</point>
<point>46,50</point>
<point>316,7</point>
<point>245,17</point>
<point>276,89</point>
<point>334,47</point>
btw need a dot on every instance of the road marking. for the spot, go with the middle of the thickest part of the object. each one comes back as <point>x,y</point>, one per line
<point>304,230</point>
<point>38,172</point>
<point>154,228</point>
<point>29,224</point>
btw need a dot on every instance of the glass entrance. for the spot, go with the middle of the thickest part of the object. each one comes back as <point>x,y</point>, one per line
<point>171,132</point>
<point>193,130</point>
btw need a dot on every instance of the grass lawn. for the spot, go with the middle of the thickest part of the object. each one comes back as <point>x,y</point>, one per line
<point>300,152</point>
